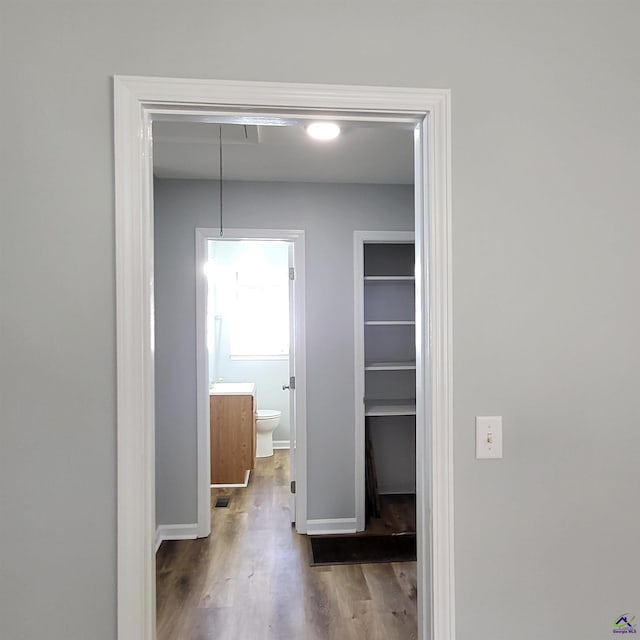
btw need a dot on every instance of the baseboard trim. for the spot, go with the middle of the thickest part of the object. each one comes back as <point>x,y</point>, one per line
<point>175,532</point>
<point>281,444</point>
<point>232,486</point>
<point>331,526</point>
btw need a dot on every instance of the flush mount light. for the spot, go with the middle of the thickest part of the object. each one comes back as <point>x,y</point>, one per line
<point>323,130</point>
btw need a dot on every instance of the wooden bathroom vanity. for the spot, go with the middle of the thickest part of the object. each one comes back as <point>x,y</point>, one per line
<point>232,422</point>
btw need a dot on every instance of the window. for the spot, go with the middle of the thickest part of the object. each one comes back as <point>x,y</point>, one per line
<point>248,310</point>
<point>260,319</point>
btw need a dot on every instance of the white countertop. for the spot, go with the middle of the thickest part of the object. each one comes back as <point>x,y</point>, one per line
<point>233,389</point>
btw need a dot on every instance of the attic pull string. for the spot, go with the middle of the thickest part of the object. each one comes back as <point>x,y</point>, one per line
<point>220,174</point>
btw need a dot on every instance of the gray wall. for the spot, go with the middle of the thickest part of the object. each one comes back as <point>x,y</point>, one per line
<point>546,156</point>
<point>328,214</point>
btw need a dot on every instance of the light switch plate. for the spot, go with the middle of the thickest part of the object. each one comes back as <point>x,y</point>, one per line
<point>488,437</point>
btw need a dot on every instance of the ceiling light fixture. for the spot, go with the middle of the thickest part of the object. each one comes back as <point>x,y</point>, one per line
<point>323,130</point>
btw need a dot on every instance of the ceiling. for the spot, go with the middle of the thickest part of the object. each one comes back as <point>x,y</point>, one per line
<point>361,154</point>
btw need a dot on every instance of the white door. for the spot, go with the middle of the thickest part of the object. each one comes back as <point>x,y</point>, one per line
<point>290,385</point>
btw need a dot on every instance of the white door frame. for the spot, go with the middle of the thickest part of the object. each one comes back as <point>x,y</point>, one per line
<point>299,447</point>
<point>140,100</point>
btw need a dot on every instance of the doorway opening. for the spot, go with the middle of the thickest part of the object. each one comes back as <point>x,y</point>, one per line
<point>138,101</point>
<point>248,333</point>
<point>250,328</point>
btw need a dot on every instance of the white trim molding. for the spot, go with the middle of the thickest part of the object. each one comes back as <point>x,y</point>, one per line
<point>206,479</point>
<point>203,441</point>
<point>434,405</point>
<point>281,444</point>
<point>325,527</point>
<point>175,532</point>
<point>138,102</point>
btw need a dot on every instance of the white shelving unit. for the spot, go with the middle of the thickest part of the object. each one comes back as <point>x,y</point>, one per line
<point>389,408</point>
<point>384,267</point>
<point>389,278</point>
<point>390,366</point>
<point>388,323</point>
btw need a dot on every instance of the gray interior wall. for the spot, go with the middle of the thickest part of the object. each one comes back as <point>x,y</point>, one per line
<point>546,152</point>
<point>328,214</point>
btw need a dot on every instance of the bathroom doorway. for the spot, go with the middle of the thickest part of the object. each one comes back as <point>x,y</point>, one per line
<point>250,329</point>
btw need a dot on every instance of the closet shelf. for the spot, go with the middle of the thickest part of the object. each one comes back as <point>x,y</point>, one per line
<point>390,323</point>
<point>405,407</point>
<point>390,366</point>
<point>389,278</point>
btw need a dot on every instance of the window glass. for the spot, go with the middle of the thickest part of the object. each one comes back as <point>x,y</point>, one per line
<point>260,325</point>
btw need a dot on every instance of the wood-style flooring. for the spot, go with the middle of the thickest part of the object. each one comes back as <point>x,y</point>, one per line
<point>251,578</point>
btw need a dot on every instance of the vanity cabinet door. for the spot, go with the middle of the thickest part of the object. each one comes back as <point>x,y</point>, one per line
<point>232,428</point>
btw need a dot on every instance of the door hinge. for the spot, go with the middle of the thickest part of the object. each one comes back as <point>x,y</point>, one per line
<point>293,486</point>
<point>292,382</point>
<point>292,273</point>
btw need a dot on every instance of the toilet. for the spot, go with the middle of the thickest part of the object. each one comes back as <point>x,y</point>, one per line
<point>266,422</point>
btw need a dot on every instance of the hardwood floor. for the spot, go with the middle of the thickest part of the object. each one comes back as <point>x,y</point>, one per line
<point>398,515</point>
<point>252,579</point>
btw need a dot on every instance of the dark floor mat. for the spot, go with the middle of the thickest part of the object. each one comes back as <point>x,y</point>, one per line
<point>362,549</point>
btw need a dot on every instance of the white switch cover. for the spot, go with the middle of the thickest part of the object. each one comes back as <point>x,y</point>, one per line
<point>488,437</point>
